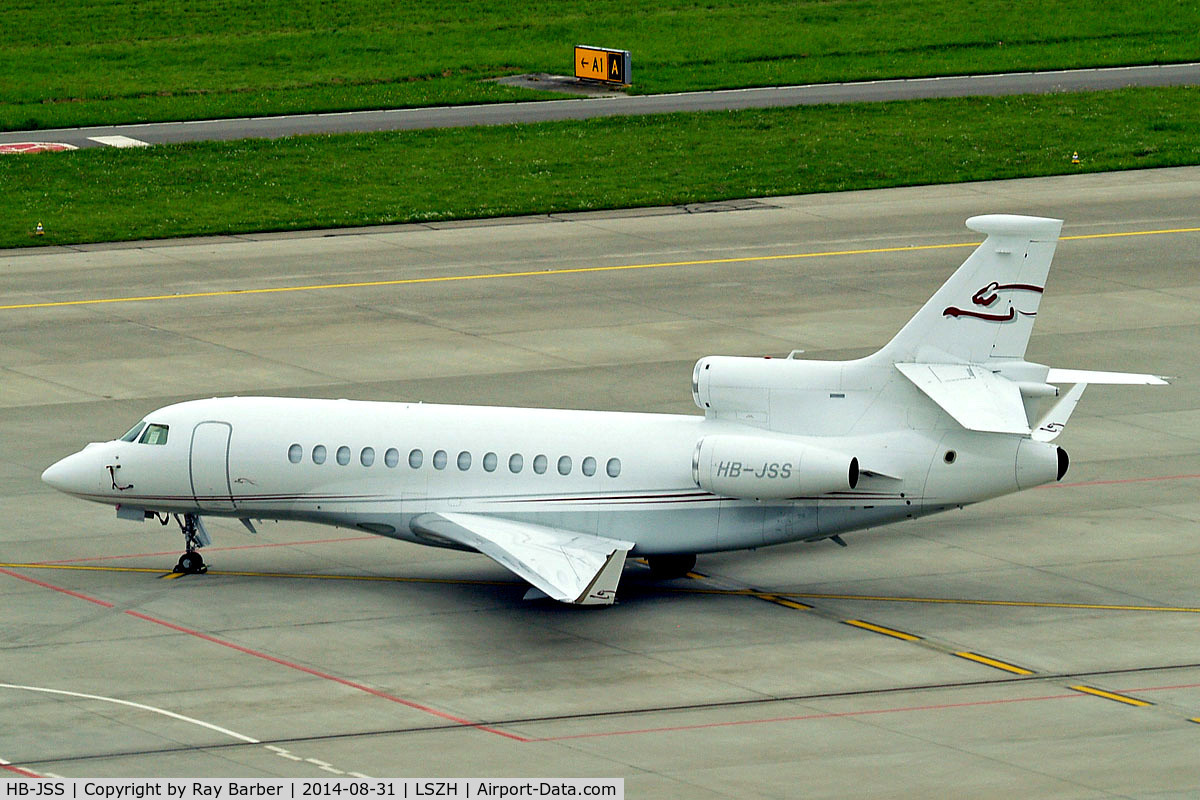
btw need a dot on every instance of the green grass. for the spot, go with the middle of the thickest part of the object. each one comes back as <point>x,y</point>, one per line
<point>349,180</point>
<point>67,62</point>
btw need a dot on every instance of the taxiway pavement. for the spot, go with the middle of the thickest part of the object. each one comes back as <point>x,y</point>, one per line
<point>610,105</point>
<point>308,652</point>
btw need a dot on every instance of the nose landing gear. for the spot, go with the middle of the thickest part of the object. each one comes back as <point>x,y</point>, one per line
<point>194,536</point>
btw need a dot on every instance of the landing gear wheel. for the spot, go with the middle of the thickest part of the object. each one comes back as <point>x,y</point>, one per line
<point>191,564</point>
<point>673,566</point>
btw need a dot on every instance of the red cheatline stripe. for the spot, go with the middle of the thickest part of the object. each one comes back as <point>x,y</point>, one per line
<point>45,585</point>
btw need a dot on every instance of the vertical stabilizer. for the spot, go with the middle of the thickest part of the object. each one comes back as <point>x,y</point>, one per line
<point>987,308</point>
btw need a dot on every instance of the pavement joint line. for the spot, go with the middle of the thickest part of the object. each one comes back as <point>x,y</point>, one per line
<point>547,272</point>
<point>993,662</point>
<point>1120,698</point>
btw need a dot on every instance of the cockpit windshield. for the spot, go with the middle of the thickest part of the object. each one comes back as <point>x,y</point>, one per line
<point>147,433</point>
<point>154,434</point>
<point>132,435</point>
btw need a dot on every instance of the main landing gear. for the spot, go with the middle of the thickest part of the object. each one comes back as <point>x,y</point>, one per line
<point>672,566</point>
<point>194,536</point>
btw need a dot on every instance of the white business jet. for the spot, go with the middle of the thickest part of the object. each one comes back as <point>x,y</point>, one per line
<point>947,413</point>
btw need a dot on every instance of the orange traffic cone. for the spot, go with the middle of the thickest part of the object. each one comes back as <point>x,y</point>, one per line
<point>39,230</point>
<point>1075,157</point>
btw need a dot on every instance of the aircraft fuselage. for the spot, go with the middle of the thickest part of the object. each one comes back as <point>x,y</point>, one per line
<point>376,466</point>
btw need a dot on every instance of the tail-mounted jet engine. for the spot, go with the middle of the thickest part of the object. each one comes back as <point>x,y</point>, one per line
<point>769,468</point>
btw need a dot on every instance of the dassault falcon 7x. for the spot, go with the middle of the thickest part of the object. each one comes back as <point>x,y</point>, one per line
<point>947,413</point>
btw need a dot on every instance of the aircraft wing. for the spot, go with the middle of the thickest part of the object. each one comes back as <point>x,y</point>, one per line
<point>568,566</point>
<point>1057,375</point>
<point>978,399</point>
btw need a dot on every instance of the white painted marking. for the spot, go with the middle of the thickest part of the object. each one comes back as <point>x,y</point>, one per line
<point>119,141</point>
<point>279,751</point>
<point>284,753</point>
<point>325,765</point>
<point>233,734</point>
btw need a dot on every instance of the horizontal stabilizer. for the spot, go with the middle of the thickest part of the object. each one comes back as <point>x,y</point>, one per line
<point>1112,378</point>
<point>565,565</point>
<point>978,399</point>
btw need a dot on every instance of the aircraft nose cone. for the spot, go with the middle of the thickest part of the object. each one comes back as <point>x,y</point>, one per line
<point>67,475</point>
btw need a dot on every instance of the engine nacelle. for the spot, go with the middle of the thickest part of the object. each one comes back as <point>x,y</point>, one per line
<point>1039,463</point>
<point>769,468</point>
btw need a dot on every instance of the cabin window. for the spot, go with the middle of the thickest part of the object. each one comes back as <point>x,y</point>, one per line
<point>132,435</point>
<point>564,465</point>
<point>154,434</point>
<point>295,453</point>
<point>391,457</point>
<point>539,463</point>
<point>319,454</point>
<point>489,462</point>
<point>515,463</point>
<point>343,455</point>
<point>588,466</point>
<point>613,468</point>
<point>439,459</point>
<point>367,456</point>
<point>464,461</point>
<point>415,459</point>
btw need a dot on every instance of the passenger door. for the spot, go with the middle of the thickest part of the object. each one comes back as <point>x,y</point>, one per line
<point>210,466</point>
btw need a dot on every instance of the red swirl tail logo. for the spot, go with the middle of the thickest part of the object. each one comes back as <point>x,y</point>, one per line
<point>987,296</point>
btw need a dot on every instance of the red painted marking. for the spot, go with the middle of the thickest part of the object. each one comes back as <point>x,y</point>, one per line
<point>1164,688</point>
<point>1118,481</point>
<point>325,675</point>
<point>209,550</point>
<point>45,585</point>
<point>36,147</point>
<point>274,659</point>
<point>18,770</point>
<point>802,717</point>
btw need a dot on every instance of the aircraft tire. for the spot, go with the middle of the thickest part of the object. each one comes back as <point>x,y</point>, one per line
<point>672,566</point>
<point>191,564</point>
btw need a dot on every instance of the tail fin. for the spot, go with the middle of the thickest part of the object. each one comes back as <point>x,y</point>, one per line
<point>987,308</point>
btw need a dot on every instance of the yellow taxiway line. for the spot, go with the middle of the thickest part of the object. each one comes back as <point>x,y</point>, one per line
<point>966,601</point>
<point>546,272</point>
<point>1120,698</point>
<point>870,626</point>
<point>992,662</point>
